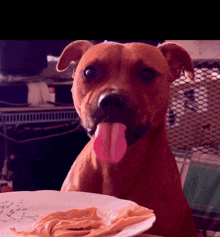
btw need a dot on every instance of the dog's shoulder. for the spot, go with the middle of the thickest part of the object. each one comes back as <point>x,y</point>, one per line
<point>84,174</point>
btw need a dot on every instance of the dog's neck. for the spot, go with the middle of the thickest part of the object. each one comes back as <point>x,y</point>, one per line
<point>138,158</point>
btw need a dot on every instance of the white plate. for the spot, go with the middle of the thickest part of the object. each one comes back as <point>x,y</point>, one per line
<point>22,209</point>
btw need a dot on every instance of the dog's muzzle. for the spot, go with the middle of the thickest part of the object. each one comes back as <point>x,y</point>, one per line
<point>114,107</point>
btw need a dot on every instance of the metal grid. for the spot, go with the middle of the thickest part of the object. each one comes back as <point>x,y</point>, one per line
<point>193,116</point>
<point>12,118</point>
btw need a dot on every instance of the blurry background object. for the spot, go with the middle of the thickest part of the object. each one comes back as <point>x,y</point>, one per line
<point>28,57</point>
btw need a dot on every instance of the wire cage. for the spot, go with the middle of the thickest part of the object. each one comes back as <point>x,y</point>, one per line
<point>193,116</point>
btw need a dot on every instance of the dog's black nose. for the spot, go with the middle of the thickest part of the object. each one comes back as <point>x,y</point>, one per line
<point>112,107</point>
<point>112,101</point>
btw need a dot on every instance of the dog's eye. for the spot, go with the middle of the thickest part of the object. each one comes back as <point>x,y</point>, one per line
<point>146,75</point>
<point>90,73</point>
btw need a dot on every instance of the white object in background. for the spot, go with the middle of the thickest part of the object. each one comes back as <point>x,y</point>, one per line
<point>5,167</point>
<point>38,93</point>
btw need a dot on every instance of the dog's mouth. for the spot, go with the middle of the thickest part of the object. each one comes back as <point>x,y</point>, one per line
<point>115,125</point>
<point>113,138</point>
<point>110,143</point>
<point>132,134</point>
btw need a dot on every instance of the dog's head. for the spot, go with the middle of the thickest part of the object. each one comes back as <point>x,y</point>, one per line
<point>124,83</point>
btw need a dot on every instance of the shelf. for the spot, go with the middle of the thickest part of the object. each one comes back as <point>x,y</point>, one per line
<point>12,116</point>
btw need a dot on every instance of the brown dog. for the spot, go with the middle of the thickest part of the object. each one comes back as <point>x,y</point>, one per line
<point>121,93</point>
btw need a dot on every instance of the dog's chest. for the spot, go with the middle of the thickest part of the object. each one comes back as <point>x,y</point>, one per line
<point>118,183</point>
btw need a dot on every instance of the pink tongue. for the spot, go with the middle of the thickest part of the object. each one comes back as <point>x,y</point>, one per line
<point>110,143</point>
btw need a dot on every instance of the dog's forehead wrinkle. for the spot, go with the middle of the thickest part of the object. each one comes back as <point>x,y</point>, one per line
<point>133,62</point>
<point>102,55</point>
<point>126,54</point>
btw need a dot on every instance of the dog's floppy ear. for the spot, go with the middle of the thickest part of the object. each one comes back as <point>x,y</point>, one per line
<point>73,52</point>
<point>178,60</point>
